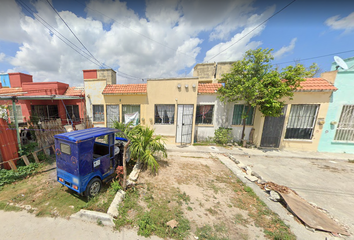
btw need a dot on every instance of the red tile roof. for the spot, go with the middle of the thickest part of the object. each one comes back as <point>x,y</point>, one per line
<point>11,91</point>
<point>125,88</point>
<point>208,87</point>
<point>315,85</point>
<point>75,91</point>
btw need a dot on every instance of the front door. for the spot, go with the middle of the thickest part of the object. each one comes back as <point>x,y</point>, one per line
<point>272,130</point>
<point>184,123</point>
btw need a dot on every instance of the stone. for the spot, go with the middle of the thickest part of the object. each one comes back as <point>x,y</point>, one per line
<point>113,208</point>
<point>173,223</point>
<point>274,196</point>
<point>133,176</point>
<point>256,175</point>
<point>251,178</point>
<point>248,170</point>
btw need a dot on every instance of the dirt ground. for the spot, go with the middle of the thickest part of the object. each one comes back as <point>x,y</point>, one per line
<point>215,199</point>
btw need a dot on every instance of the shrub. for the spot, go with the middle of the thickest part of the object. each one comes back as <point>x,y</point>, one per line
<point>223,135</point>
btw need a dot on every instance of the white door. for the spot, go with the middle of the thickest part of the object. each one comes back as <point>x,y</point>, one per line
<point>184,123</point>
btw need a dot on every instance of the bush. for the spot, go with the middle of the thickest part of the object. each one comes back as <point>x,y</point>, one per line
<point>9,176</point>
<point>223,135</point>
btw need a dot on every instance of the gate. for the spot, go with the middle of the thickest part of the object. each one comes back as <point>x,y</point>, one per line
<point>184,124</point>
<point>272,130</point>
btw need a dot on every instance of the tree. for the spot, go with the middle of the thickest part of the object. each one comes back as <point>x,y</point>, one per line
<point>255,81</point>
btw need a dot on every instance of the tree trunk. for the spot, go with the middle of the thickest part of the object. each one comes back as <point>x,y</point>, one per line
<point>125,166</point>
<point>244,123</point>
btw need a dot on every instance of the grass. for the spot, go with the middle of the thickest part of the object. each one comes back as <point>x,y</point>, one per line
<point>350,161</point>
<point>208,232</point>
<point>153,218</point>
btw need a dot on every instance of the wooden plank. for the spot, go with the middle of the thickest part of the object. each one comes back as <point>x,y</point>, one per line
<point>25,159</point>
<point>35,156</point>
<point>53,149</point>
<point>12,165</point>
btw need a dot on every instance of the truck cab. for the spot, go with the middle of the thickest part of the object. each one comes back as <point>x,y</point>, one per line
<point>87,157</point>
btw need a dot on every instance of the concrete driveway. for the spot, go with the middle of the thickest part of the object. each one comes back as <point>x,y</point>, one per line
<point>326,183</point>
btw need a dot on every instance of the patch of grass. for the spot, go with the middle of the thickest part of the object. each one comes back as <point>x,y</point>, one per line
<point>10,176</point>
<point>189,208</point>
<point>6,207</point>
<point>350,161</point>
<point>212,211</point>
<point>99,222</point>
<point>130,203</point>
<point>184,197</point>
<point>215,188</point>
<point>239,219</point>
<point>208,233</point>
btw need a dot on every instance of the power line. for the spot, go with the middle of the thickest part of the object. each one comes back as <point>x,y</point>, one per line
<point>72,31</point>
<point>251,30</point>
<point>51,30</point>
<point>305,59</point>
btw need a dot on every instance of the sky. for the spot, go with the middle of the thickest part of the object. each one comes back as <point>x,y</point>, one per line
<point>55,40</point>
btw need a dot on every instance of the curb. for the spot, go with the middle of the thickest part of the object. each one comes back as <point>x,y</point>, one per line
<point>113,208</point>
<point>93,216</point>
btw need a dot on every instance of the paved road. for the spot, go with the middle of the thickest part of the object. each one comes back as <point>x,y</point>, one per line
<point>22,225</point>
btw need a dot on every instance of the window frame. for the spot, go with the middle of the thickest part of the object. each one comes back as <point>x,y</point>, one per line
<point>296,124</point>
<point>101,113</point>
<point>212,114</point>
<point>164,117</point>
<point>123,113</point>
<point>233,121</point>
<point>46,113</point>
<point>343,129</point>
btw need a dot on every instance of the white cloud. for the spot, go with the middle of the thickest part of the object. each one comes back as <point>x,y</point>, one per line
<point>235,50</point>
<point>346,23</point>
<point>2,57</point>
<point>160,44</point>
<point>278,54</point>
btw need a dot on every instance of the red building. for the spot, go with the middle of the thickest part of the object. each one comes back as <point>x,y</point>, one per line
<point>45,100</point>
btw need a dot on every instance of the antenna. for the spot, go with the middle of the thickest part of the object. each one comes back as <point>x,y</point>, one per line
<point>340,63</point>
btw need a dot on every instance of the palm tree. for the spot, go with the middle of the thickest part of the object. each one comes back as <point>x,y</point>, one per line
<point>144,146</point>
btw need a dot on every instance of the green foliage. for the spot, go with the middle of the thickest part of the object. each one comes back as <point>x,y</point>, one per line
<point>222,135</point>
<point>144,145</point>
<point>9,176</point>
<point>146,226</point>
<point>29,148</point>
<point>255,81</point>
<point>125,128</point>
<point>115,187</point>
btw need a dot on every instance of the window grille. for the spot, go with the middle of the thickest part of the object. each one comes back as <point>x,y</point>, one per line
<point>98,113</point>
<point>112,114</point>
<point>301,121</point>
<point>131,113</point>
<point>164,114</point>
<point>73,111</point>
<point>237,115</point>
<point>45,112</point>
<point>18,114</point>
<point>204,114</point>
<point>345,129</point>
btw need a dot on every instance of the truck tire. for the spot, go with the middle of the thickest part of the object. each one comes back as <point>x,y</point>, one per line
<point>93,187</point>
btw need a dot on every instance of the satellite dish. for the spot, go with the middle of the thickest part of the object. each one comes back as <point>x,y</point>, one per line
<point>340,63</point>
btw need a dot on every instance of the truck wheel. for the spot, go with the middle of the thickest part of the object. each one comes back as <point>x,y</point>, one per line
<point>93,188</point>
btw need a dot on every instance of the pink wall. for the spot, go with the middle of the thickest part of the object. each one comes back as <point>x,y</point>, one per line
<point>17,79</point>
<point>44,88</point>
<point>90,74</point>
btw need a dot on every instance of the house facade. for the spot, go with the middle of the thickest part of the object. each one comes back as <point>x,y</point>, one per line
<point>45,100</point>
<point>338,129</point>
<point>186,110</point>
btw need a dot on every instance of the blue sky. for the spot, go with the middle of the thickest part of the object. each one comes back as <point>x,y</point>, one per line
<point>158,39</point>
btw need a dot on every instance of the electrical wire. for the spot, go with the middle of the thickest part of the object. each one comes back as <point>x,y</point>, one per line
<point>251,31</point>
<point>73,32</point>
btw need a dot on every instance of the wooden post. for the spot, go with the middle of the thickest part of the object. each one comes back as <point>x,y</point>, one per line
<point>124,166</point>
<point>12,165</point>
<point>53,149</point>
<point>35,157</point>
<point>25,159</point>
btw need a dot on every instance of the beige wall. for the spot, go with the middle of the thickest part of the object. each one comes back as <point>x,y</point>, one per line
<point>204,71</point>
<point>321,98</point>
<point>165,91</point>
<point>330,76</point>
<point>222,68</point>
<point>93,96</point>
<point>108,74</point>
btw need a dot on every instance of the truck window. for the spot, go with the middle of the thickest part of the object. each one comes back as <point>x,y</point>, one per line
<point>65,148</point>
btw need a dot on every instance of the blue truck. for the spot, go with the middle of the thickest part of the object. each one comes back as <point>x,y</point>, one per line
<point>85,158</point>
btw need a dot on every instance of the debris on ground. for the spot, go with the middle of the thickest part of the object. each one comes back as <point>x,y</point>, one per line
<point>173,223</point>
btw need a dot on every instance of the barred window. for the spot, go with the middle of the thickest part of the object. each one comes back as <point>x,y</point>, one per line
<point>164,114</point>
<point>73,111</point>
<point>239,110</point>
<point>98,113</point>
<point>112,114</point>
<point>18,114</point>
<point>131,113</point>
<point>301,121</point>
<point>345,129</point>
<point>45,112</point>
<point>204,114</point>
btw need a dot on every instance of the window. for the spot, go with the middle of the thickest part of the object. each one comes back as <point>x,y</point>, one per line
<point>237,115</point>
<point>98,113</point>
<point>345,129</point>
<point>204,114</point>
<point>112,114</point>
<point>131,113</point>
<point>65,148</point>
<point>18,114</point>
<point>164,114</point>
<point>73,111</point>
<point>301,121</point>
<point>45,112</point>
